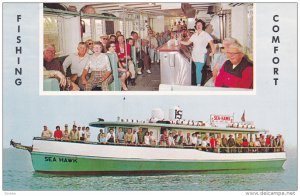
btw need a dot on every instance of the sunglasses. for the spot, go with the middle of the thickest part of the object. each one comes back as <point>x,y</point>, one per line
<point>104,38</point>
<point>90,43</point>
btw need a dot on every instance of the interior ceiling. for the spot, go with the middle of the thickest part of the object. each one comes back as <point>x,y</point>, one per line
<point>148,8</point>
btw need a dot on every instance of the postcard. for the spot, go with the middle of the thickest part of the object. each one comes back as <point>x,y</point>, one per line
<point>141,96</point>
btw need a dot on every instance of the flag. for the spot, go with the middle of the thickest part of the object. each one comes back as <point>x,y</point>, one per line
<point>243,117</point>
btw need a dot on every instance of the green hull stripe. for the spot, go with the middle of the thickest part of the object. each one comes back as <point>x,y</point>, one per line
<point>63,163</point>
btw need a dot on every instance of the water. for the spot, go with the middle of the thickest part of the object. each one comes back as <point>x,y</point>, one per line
<point>18,175</point>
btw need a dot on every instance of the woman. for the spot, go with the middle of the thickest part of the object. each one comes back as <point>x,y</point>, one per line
<point>124,54</point>
<point>122,72</point>
<point>100,69</point>
<point>147,138</point>
<point>200,39</point>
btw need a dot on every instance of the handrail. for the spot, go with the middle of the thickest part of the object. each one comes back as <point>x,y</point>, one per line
<point>233,149</point>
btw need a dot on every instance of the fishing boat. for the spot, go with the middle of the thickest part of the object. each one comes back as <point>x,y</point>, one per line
<point>92,158</point>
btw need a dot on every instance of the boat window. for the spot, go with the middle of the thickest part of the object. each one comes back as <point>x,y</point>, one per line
<point>87,32</point>
<point>99,26</point>
<point>52,35</point>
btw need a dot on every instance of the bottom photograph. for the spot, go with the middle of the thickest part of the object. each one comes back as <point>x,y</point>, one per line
<point>166,150</point>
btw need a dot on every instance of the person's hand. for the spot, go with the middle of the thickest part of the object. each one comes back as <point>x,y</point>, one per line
<point>83,81</point>
<point>211,54</point>
<point>61,77</point>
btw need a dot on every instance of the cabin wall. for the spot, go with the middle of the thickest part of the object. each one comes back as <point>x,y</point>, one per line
<point>71,34</point>
<point>158,24</point>
<point>239,21</point>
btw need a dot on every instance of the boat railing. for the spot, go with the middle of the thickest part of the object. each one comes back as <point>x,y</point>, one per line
<point>233,149</point>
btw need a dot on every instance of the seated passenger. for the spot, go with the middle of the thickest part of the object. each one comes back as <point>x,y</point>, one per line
<point>58,133</point>
<point>100,69</point>
<point>55,74</point>
<point>104,40</point>
<point>129,138</point>
<point>77,62</point>
<point>50,62</point>
<point>237,72</point>
<point>122,72</point>
<point>110,137</point>
<point>124,54</point>
<point>89,44</point>
<point>46,133</point>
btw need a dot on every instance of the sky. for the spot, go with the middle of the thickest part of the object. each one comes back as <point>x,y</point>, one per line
<point>25,111</point>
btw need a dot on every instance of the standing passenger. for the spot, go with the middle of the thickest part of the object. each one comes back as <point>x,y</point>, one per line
<point>87,134</point>
<point>110,137</point>
<point>200,39</point>
<point>120,136</point>
<point>58,133</point>
<point>74,134</point>
<point>46,134</point>
<point>66,133</point>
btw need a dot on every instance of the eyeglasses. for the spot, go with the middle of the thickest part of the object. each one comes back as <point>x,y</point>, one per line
<point>90,43</point>
<point>104,38</point>
<point>232,53</point>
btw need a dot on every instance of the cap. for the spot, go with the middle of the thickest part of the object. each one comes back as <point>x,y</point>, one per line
<point>103,36</point>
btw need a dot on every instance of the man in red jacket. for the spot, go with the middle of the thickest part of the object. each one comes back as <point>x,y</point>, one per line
<point>58,133</point>
<point>237,72</point>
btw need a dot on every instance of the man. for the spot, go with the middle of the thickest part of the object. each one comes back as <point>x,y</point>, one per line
<point>140,135</point>
<point>58,133</point>
<point>120,136</point>
<point>50,62</point>
<point>110,137</point>
<point>104,40</point>
<point>46,134</point>
<point>77,61</point>
<point>237,72</point>
<point>141,54</point>
<point>74,134</point>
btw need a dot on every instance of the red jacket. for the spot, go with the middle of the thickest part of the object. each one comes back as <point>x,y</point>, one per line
<point>239,77</point>
<point>58,134</point>
<point>121,54</point>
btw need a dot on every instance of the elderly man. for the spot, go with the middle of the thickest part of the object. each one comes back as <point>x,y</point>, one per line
<point>104,40</point>
<point>77,61</point>
<point>46,134</point>
<point>50,62</point>
<point>237,72</point>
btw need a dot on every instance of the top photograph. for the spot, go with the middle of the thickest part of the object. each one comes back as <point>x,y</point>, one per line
<point>148,47</point>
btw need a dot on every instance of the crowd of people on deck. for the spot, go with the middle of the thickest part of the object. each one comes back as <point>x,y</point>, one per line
<point>91,69</point>
<point>205,142</point>
<point>75,134</point>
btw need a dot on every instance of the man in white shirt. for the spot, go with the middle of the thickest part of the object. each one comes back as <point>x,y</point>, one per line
<point>77,61</point>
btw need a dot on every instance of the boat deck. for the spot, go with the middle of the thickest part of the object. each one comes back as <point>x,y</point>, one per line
<point>147,82</point>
